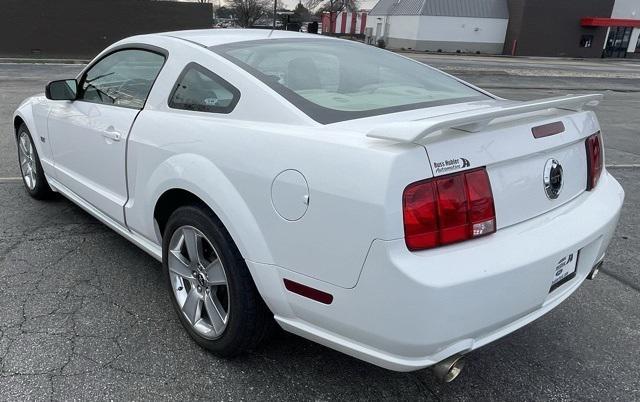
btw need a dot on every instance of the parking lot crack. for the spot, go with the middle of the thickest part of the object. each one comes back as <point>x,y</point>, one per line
<point>23,236</point>
<point>70,356</point>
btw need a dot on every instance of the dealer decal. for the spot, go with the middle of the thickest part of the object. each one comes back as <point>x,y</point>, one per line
<point>563,261</point>
<point>450,164</point>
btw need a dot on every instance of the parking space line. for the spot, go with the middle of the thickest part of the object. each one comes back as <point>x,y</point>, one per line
<point>10,179</point>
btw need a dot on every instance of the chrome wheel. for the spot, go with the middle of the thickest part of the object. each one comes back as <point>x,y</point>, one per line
<point>27,160</point>
<point>199,281</point>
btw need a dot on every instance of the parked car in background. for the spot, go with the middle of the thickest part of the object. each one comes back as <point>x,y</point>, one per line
<point>353,196</point>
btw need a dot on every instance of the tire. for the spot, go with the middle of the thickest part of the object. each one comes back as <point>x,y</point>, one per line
<point>205,290</point>
<point>31,170</point>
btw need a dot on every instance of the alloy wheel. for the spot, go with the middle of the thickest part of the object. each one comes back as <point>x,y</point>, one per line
<point>199,282</point>
<point>27,160</point>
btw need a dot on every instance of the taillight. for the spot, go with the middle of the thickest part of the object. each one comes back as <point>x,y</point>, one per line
<point>595,160</point>
<point>448,209</point>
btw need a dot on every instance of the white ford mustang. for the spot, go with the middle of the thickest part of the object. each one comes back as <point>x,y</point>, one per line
<point>364,200</point>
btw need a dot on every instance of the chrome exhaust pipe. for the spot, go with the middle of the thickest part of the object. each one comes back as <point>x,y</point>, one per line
<point>595,270</point>
<point>449,369</point>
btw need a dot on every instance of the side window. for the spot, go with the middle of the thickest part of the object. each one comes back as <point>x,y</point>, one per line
<point>200,90</point>
<point>123,78</point>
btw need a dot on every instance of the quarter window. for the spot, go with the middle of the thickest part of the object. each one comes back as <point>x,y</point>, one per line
<point>123,78</point>
<point>201,90</point>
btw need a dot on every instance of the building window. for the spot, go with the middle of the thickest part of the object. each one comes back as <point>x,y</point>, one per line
<point>586,40</point>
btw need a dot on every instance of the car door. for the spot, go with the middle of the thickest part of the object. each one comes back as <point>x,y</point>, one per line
<point>89,135</point>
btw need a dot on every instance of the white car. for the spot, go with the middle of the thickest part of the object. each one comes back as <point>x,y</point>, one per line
<point>364,200</point>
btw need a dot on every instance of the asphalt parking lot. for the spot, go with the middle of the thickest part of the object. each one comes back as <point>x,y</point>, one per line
<point>84,314</point>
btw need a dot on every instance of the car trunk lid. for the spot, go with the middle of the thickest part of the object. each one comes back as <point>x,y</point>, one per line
<point>517,142</point>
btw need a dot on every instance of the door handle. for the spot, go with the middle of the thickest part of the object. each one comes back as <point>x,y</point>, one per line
<point>112,135</point>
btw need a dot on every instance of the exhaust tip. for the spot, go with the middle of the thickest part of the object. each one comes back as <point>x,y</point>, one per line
<point>594,271</point>
<point>449,369</point>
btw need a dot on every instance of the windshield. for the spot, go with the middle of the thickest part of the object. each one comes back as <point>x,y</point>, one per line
<point>334,80</point>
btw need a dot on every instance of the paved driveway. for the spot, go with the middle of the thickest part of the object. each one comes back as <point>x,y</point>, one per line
<point>84,314</point>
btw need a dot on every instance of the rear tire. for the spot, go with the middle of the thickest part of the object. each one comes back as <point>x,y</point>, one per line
<point>210,285</point>
<point>31,170</point>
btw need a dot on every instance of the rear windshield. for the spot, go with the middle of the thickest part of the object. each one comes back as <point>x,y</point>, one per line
<point>333,81</point>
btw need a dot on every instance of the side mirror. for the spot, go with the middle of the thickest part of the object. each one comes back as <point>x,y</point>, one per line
<point>62,90</point>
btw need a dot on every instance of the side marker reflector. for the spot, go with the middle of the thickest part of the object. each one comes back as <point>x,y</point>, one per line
<point>309,292</point>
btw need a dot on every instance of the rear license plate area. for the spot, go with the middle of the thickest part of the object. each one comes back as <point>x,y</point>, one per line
<point>565,270</point>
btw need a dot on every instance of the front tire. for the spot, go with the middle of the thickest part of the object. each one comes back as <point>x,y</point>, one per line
<point>33,176</point>
<point>210,285</point>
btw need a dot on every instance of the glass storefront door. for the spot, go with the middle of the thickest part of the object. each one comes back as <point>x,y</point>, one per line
<point>618,42</point>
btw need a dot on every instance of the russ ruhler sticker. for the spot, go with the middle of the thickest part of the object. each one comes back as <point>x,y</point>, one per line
<point>451,164</point>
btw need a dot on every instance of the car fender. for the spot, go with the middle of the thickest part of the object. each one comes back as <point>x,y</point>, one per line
<point>34,111</point>
<point>201,177</point>
<point>25,113</point>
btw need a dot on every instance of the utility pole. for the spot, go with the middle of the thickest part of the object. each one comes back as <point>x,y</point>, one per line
<point>275,7</point>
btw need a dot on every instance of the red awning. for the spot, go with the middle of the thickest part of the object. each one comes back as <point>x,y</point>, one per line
<point>609,22</point>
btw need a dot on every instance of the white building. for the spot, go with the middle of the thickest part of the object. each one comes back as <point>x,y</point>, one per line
<point>441,25</point>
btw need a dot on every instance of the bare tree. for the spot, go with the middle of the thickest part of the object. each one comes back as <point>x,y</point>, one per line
<point>351,5</point>
<point>248,11</point>
<point>340,5</point>
<point>311,5</point>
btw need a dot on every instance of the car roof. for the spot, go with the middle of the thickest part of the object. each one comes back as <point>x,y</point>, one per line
<point>213,37</point>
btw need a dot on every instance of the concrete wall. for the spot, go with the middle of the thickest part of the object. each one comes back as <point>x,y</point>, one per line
<point>403,27</point>
<point>448,34</point>
<point>82,28</point>
<point>373,21</point>
<point>462,29</point>
<point>552,27</point>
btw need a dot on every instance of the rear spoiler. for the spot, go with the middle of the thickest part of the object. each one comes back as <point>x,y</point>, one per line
<point>476,120</point>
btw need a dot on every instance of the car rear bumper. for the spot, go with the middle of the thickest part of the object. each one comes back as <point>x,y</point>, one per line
<point>412,310</point>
